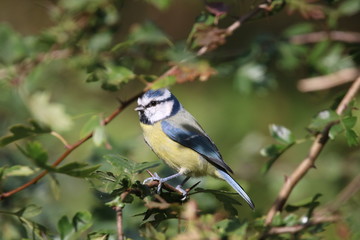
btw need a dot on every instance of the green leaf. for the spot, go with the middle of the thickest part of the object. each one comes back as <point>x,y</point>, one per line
<point>335,130</point>
<point>323,119</point>
<point>117,76</point>
<point>76,169</point>
<point>21,131</point>
<point>98,236</point>
<point>128,166</point>
<point>148,33</point>
<point>164,82</point>
<point>35,230</point>
<point>82,221</point>
<point>274,151</point>
<point>160,4</point>
<point>281,134</point>
<point>36,152</point>
<point>300,28</point>
<point>17,170</point>
<point>89,126</point>
<point>50,114</point>
<point>352,137</point>
<point>310,204</point>
<point>349,7</point>
<point>29,211</point>
<point>99,136</point>
<point>13,47</point>
<point>64,227</point>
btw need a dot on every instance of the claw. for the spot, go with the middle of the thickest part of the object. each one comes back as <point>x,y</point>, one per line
<point>156,177</point>
<point>183,192</point>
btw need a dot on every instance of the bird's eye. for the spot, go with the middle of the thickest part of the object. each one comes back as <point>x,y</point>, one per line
<point>152,103</point>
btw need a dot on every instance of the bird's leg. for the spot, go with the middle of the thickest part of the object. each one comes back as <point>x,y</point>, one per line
<point>156,177</point>
<point>180,189</point>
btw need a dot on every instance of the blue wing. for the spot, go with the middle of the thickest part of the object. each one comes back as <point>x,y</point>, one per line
<point>192,136</point>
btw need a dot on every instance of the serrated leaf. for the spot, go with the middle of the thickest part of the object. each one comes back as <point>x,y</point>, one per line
<point>349,122</point>
<point>352,137</point>
<point>50,114</point>
<point>36,230</point>
<point>98,236</point>
<point>35,152</point>
<point>335,130</point>
<point>322,119</point>
<point>281,134</point>
<point>29,211</point>
<point>21,131</point>
<point>77,169</point>
<point>130,167</point>
<point>164,82</point>
<point>117,76</point>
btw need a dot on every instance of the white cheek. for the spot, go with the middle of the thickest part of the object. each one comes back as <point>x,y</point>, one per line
<point>160,111</point>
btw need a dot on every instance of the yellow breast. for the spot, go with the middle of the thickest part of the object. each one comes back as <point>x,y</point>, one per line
<point>181,158</point>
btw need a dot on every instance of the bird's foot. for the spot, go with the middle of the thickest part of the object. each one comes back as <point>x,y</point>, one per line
<point>156,177</point>
<point>182,191</point>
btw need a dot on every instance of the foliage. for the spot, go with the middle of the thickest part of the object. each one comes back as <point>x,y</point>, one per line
<point>58,89</point>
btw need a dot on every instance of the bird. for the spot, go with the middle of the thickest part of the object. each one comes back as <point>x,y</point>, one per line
<point>176,137</point>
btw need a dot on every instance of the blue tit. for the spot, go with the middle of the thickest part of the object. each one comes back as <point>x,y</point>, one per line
<point>175,137</point>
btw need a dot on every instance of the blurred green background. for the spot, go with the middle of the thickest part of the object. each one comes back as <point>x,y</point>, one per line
<point>237,118</point>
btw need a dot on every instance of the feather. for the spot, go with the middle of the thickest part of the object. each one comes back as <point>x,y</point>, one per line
<point>236,187</point>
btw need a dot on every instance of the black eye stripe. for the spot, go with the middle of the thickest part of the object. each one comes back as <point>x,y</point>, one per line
<point>154,103</point>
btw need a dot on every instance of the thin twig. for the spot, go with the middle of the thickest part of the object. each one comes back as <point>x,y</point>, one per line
<point>69,150</point>
<point>61,138</point>
<point>235,25</point>
<point>314,37</point>
<point>297,228</point>
<point>119,222</point>
<point>309,161</point>
<point>328,81</point>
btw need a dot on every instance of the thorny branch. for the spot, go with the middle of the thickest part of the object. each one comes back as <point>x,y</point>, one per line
<point>316,148</point>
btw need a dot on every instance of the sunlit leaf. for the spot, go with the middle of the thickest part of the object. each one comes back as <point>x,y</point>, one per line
<point>50,114</point>
<point>147,33</point>
<point>352,137</point>
<point>164,82</point>
<point>281,134</point>
<point>17,170</point>
<point>117,76</point>
<point>99,136</point>
<point>323,119</point>
<point>21,131</point>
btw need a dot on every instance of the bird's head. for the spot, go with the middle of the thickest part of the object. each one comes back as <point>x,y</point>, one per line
<point>156,105</point>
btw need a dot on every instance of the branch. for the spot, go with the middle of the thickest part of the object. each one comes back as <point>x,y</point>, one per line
<point>69,150</point>
<point>309,161</point>
<point>173,71</point>
<point>340,36</point>
<point>297,228</point>
<point>328,81</point>
<point>235,25</point>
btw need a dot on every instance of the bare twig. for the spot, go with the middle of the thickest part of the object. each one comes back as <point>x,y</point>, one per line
<point>328,81</point>
<point>348,37</point>
<point>309,161</point>
<point>61,138</point>
<point>350,190</point>
<point>235,25</point>
<point>119,222</point>
<point>69,150</point>
<point>297,228</point>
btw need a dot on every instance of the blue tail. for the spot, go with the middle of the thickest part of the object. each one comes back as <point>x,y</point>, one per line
<point>237,187</point>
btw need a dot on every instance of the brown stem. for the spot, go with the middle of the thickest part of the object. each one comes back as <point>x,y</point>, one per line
<point>119,222</point>
<point>309,161</point>
<point>69,150</point>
